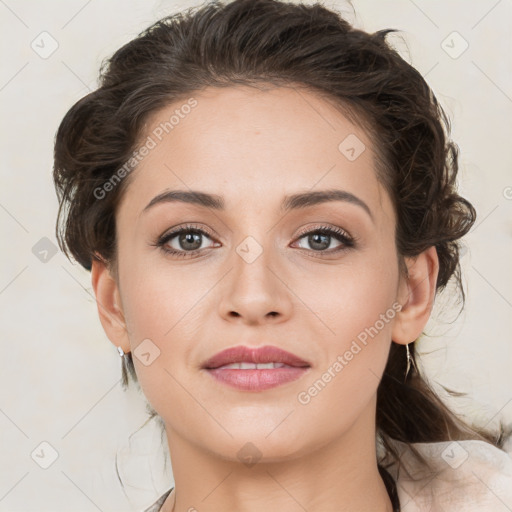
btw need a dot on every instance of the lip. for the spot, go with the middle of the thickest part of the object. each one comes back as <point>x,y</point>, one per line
<point>256,379</point>
<point>266,354</point>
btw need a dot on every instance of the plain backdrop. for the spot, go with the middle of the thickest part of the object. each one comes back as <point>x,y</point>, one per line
<point>60,376</point>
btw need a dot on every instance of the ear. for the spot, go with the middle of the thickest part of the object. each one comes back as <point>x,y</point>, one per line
<point>416,295</point>
<point>108,300</point>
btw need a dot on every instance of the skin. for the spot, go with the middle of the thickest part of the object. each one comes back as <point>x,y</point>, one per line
<point>254,147</point>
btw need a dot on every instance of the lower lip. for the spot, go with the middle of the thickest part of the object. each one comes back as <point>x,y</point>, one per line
<point>257,380</point>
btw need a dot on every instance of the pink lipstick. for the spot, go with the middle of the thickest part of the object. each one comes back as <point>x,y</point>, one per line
<point>255,369</point>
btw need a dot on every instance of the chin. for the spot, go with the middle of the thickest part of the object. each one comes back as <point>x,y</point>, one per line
<point>252,446</point>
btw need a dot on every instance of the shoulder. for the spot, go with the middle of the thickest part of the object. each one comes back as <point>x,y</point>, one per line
<point>465,475</point>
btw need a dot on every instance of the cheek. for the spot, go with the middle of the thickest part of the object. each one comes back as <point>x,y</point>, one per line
<point>165,310</point>
<point>348,298</point>
<point>354,358</point>
<point>160,300</point>
<point>355,308</point>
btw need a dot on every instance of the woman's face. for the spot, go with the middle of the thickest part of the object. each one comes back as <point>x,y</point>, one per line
<point>256,278</point>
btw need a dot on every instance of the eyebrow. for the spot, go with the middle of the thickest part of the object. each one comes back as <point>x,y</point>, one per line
<point>290,202</point>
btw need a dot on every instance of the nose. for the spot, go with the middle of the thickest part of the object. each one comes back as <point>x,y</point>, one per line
<point>255,290</point>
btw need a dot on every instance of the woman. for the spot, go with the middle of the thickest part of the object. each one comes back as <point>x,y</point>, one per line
<point>265,197</point>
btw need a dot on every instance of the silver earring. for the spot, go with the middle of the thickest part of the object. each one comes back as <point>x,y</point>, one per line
<point>121,351</point>
<point>409,361</point>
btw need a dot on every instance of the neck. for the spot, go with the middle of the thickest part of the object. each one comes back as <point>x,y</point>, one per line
<point>341,475</point>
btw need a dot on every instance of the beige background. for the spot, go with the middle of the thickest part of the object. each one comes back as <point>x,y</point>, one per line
<point>60,375</point>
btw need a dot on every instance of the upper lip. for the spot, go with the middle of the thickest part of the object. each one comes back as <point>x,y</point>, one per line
<point>242,353</point>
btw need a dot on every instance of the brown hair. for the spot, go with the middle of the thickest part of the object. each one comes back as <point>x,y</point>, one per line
<point>257,43</point>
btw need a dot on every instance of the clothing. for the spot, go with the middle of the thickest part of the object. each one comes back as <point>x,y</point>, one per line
<point>467,476</point>
<point>155,507</point>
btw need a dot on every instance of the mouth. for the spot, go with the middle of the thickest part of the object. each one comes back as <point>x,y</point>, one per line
<point>255,369</point>
<point>251,366</point>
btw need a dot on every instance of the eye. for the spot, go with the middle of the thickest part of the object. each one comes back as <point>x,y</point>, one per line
<point>320,238</point>
<point>187,241</point>
<point>184,242</point>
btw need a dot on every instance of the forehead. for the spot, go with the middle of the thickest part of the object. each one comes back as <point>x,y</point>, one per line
<point>252,145</point>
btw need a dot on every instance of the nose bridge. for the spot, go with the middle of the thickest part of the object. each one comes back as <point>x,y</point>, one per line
<point>253,253</point>
<point>252,260</point>
<point>255,291</point>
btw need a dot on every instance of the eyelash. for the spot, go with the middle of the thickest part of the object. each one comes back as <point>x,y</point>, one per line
<point>348,242</point>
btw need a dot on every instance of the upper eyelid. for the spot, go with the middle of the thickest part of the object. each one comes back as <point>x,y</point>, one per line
<point>319,227</point>
<point>323,227</point>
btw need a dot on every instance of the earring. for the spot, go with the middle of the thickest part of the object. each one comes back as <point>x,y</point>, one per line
<point>121,351</point>
<point>409,360</point>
